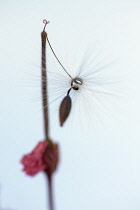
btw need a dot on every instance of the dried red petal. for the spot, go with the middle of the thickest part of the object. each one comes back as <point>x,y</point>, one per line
<point>44,157</point>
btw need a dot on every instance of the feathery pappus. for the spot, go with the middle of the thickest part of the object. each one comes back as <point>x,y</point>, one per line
<point>86,88</point>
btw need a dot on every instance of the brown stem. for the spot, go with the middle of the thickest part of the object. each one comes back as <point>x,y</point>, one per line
<point>50,192</point>
<point>44,85</point>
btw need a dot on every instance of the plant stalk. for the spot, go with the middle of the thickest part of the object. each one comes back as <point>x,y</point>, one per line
<point>44,85</point>
<point>45,109</point>
<point>50,192</point>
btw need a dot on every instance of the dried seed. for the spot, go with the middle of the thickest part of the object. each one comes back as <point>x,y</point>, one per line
<point>64,110</point>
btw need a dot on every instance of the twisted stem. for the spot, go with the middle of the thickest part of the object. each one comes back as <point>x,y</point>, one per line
<point>44,85</point>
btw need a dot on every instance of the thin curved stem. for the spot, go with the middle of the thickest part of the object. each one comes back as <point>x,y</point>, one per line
<point>57,58</point>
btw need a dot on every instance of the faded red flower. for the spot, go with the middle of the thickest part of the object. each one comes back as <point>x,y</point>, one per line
<point>44,157</point>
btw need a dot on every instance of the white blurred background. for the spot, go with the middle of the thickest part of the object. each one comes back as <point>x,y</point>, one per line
<point>100,158</point>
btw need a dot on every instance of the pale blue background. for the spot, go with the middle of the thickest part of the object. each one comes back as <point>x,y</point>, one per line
<point>100,164</point>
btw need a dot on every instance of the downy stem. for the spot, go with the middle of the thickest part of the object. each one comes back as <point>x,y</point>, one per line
<point>44,85</point>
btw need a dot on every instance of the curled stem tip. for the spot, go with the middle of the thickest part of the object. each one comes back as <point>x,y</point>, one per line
<point>45,23</point>
<point>74,87</point>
